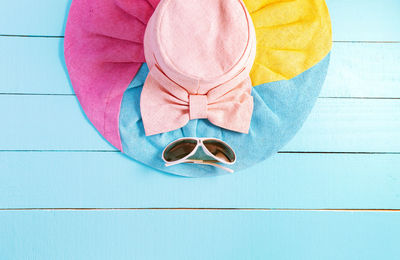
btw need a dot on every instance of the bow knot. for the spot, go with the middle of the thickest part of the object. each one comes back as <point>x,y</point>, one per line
<point>198,106</point>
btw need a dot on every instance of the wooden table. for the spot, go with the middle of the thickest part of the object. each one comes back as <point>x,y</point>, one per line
<point>332,193</point>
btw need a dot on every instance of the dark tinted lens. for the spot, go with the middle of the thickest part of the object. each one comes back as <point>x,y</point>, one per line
<point>220,150</point>
<point>179,150</point>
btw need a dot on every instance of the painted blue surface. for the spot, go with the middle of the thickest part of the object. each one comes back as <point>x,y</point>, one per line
<point>148,234</point>
<point>110,180</point>
<point>346,156</point>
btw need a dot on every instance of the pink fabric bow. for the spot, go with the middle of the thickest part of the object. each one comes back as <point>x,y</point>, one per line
<point>172,106</point>
<point>199,65</point>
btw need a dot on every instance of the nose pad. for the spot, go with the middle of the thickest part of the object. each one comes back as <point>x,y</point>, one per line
<point>201,155</point>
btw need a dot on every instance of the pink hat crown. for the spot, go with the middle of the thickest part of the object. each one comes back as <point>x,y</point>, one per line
<point>200,54</point>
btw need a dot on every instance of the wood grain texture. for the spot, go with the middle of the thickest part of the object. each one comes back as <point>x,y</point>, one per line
<point>363,70</point>
<point>152,235</point>
<point>359,20</point>
<point>110,180</point>
<point>335,125</point>
<point>345,157</point>
<point>41,17</point>
<point>33,65</point>
<point>355,20</point>
<point>351,125</point>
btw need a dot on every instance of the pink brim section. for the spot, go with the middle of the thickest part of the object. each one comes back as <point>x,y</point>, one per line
<point>103,52</point>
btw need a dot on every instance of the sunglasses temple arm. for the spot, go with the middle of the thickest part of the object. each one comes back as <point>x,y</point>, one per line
<point>216,165</point>
<point>202,162</point>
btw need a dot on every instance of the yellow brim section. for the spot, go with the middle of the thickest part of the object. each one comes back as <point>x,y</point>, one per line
<point>292,36</point>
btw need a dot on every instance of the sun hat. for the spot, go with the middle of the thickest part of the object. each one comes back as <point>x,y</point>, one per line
<point>199,65</point>
<point>105,55</point>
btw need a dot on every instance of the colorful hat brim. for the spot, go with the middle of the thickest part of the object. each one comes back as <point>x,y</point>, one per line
<point>104,51</point>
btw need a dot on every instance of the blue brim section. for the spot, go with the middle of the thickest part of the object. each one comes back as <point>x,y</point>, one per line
<point>280,109</point>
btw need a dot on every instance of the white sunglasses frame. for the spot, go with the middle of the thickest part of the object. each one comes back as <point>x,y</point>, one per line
<point>205,150</point>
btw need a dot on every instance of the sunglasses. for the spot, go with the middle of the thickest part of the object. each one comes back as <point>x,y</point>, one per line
<point>186,150</point>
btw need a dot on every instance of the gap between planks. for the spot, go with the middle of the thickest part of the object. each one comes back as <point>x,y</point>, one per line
<point>61,37</point>
<point>204,209</point>
<point>55,94</point>
<point>117,151</point>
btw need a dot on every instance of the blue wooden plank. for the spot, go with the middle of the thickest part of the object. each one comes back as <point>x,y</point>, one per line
<point>352,125</point>
<point>368,70</point>
<point>335,125</point>
<point>41,17</point>
<point>355,20</point>
<point>199,235</point>
<point>36,65</point>
<point>33,65</point>
<point>360,20</point>
<point>110,180</point>
<point>46,122</point>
